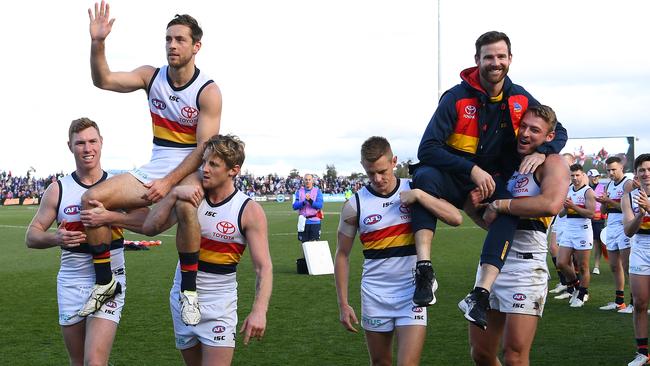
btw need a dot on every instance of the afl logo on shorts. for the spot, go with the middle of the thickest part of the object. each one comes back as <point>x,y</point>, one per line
<point>521,182</point>
<point>404,209</point>
<point>225,227</point>
<point>372,219</point>
<point>416,309</point>
<point>158,104</point>
<point>111,304</point>
<point>219,329</point>
<point>72,210</point>
<point>519,297</point>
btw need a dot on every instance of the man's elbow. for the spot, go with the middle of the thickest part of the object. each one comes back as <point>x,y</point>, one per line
<point>454,219</point>
<point>552,208</point>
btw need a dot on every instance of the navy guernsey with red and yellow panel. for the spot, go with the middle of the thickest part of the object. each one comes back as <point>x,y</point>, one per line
<point>387,239</point>
<point>222,239</point>
<point>471,128</point>
<point>175,110</point>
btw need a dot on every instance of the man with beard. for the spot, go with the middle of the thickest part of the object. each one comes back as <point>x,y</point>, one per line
<point>185,110</point>
<point>470,143</point>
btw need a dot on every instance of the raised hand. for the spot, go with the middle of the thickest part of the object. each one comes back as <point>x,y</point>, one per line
<point>100,22</point>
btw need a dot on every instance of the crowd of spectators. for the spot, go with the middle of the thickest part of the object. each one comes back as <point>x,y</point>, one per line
<point>273,184</point>
<point>12,186</point>
<point>22,187</point>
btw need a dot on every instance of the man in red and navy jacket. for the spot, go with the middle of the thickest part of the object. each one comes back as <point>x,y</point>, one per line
<point>470,143</point>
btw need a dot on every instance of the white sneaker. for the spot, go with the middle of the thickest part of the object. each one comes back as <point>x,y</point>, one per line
<point>612,306</point>
<point>99,296</point>
<point>574,296</point>
<point>190,313</point>
<point>577,303</point>
<point>639,360</point>
<point>558,289</point>
<point>596,271</point>
<point>627,310</point>
<point>562,296</point>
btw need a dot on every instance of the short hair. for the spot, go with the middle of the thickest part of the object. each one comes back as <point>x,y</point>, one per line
<point>190,22</point>
<point>640,160</point>
<point>546,113</point>
<point>228,148</point>
<point>81,124</point>
<point>374,148</point>
<point>613,159</point>
<point>489,38</point>
<point>576,167</point>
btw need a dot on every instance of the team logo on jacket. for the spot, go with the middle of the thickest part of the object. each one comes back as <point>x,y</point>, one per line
<point>516,107</point>
<point>372,219</point>
<point>72,210</point>
<point>158,104</point>
<point>219,329</point>
<point>519,297</point>
<point>226,227</point>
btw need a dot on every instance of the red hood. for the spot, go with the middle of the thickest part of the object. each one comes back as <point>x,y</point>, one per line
<point>471,77</point>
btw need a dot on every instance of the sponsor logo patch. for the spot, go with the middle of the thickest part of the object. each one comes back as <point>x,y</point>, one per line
<point>372,219</point>
<point>519,297</point>
<point>72,210</point>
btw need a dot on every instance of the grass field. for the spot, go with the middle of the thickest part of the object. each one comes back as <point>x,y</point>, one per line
<point>303,327</point>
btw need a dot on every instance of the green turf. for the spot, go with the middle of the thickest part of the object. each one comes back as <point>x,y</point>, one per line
<point>303,327</point>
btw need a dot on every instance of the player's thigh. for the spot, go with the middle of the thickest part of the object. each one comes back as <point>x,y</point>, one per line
<point>192,355</point>
<point>640,287</point>
<point>74,339</point>
<point>121,191</point>
<point>485,343</point>
<point>216,356</point>
<point>519,332</point>
<point>100,334</point>
<point>380,347</point>
<point>410,341</point>
<point>564,256</point>
<point>441,184</point>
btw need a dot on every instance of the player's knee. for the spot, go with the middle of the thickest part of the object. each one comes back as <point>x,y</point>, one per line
<point>640,305</point>
<point>89,195</point>
<point>481,356</point>
<point>513,357</point>
<point>380,361</point>
<point>94,360</point>
<point>184,210</point>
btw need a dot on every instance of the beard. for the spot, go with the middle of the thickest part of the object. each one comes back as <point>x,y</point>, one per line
<point>486,73</point>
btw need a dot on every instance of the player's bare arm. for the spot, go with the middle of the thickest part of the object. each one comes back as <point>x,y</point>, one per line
<point>442,209</point>
<point>100,27</point>
<point>208,126</point>
<point>554,188</point>
<point>38,236</point>
<point>631,221</point>
<point>162,216</point>
<point>255,226</point>
<point>590,205</point>
<point>345,240</point>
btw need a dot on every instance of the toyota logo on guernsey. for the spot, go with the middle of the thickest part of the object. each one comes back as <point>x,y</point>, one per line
<point>219,329</point>
<point>72,210</point>
<point>404,209</point>
<point>158,104</point>
<point>372,219</point>
<point>470,109</point>
<point>225,227</point>
<point>521,182</point>
<point>189,112</point>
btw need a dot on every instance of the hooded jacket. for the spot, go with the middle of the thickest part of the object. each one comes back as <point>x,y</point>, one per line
<point>470,128</point>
